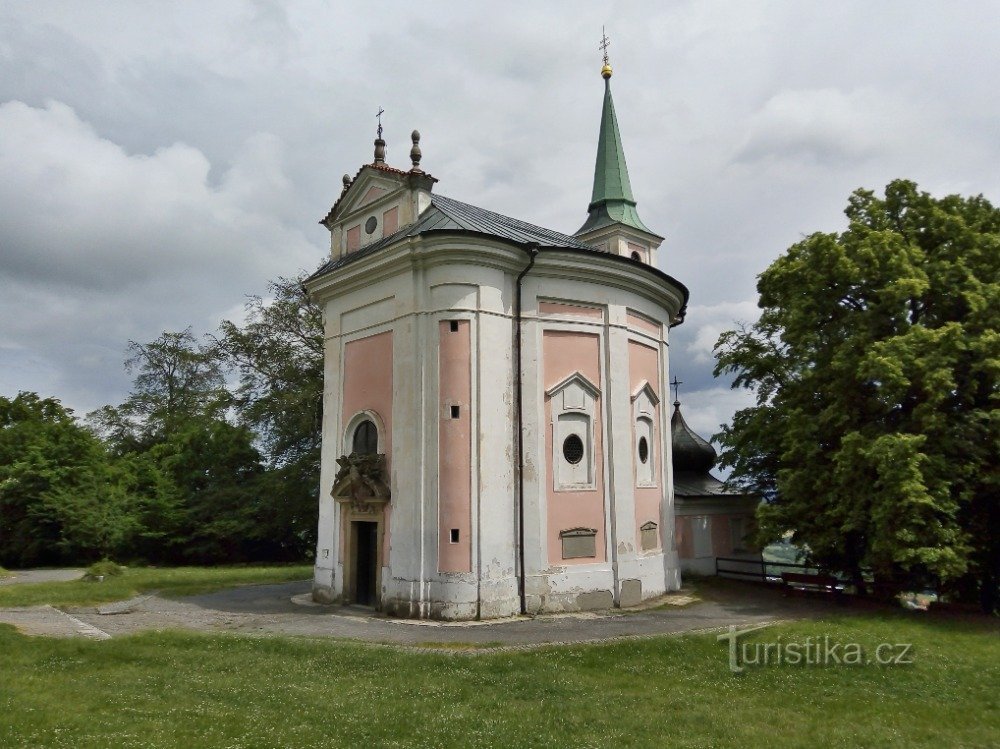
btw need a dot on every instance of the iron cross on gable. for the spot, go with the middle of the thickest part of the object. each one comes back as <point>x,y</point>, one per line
<point>676,384</point>
<point>379,116</point>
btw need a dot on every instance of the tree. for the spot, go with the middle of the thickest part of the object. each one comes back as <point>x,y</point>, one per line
<point>176,379</point>
<point>217,472</point>
<point>279,355</point>
<point>875,364</point>
<point>61,497</point>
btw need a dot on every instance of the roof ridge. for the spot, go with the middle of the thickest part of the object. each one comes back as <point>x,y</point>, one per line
<point>451,207</point>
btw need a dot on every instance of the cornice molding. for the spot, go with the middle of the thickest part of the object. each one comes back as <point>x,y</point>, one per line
<point>438,248</point>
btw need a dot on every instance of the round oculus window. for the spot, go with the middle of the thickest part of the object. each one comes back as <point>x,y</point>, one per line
<point>371,225</point>
<point>643,449</point>
<point>573,449</point>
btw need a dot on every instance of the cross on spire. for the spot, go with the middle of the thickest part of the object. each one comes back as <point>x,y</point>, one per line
<point>676,385</point>
<point>379,116</point>
<point>603,46</point>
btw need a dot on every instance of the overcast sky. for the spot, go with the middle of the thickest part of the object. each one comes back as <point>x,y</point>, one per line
<point>159,161</point>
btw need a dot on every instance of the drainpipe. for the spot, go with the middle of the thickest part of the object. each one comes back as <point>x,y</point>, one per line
<point>532,250</point>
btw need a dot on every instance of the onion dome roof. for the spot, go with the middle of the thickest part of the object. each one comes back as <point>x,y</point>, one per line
<point>690,452</point>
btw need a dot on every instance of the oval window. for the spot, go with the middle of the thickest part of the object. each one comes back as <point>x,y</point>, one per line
<point>365,440</point>
<point>643,449</point>
<point>371,225</point>
<point>573,449</point>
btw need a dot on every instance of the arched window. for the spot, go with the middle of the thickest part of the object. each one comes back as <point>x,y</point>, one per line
<point>365,439</point>
<point>637,256</point>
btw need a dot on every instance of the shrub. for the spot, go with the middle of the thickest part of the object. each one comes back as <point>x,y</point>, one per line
<point>104,568</point>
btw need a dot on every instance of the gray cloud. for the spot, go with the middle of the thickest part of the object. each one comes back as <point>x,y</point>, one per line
<point>162,161</point>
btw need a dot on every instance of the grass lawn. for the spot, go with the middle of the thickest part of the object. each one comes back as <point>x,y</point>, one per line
<point>170,581</point>
<point>189,690</point>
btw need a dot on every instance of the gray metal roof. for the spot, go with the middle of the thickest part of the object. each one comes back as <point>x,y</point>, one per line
<point>447,214</point>
<point>697,484</point>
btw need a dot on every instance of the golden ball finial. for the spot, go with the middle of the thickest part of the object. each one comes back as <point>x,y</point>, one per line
<point>606,71</point>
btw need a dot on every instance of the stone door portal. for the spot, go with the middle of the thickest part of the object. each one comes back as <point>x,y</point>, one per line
<point>364,537</point>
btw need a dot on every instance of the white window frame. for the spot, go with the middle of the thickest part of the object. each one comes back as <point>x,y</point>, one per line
<point>573,400</point>
<point>644,403</point>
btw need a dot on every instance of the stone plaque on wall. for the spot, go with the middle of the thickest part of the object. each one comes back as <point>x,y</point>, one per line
<point>649,538</point>
<point>579,542</point>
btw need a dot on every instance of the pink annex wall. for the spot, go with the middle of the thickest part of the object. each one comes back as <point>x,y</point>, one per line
<point>564,353</point>
<point>368,387</point>
<point>722,537</point>
<point>644,366</point>
<point>455,447</point>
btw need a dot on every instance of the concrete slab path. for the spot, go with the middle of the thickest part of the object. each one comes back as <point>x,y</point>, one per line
<point>20,577</point>
<point>270,610</point>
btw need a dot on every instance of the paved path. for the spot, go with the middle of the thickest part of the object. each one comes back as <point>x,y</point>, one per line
<point>40,576</point>
<point>269,609</point>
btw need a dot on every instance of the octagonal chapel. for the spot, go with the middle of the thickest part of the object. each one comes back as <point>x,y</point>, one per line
<point>495,435</point>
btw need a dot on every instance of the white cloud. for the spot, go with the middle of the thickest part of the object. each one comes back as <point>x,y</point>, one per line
<point>825,126</point>
<point>710,321</point>
<point>101,246</point>
<point>81,211</point>
<point>707,410</point>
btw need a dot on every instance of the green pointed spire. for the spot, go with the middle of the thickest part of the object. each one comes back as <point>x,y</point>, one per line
<point>611,172</point>
<point>611,201</point>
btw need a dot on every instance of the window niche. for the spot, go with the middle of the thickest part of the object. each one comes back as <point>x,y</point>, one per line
<point>644,403</point>
<point>364,435</point>
<point>573,404</point>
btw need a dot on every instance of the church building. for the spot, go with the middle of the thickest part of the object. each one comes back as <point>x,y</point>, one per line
<point>495,435</point>
<point>712,521</point>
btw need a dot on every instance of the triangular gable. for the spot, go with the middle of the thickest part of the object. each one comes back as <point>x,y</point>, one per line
<point>374,193</point>
<point>578,380</point>
<point>646,389</point>
<point>370,185</point>
<point>368,188</point>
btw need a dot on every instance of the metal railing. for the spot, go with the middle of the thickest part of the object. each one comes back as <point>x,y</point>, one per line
<point>759,569</point>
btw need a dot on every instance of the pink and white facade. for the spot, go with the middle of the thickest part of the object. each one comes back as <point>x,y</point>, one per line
<point>539,488</point>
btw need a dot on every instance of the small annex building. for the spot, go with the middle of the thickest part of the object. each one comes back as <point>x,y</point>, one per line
<point>710,520</point>
<point>495,435</point>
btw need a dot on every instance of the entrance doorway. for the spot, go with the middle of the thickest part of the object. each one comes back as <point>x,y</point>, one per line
<point>365,562</point>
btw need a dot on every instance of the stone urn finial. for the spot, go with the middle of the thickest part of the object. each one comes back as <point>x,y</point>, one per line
<point>415,154</point>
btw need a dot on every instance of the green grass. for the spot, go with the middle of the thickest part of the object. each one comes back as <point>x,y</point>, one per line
<point>198,690</point>
<point>170,581</point>
<point>4,573</point>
